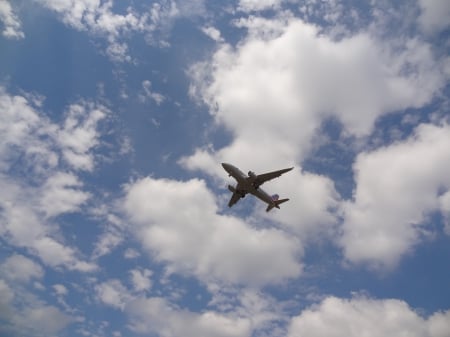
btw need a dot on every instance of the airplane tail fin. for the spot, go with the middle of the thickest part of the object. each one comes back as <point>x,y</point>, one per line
<point>276,203</point>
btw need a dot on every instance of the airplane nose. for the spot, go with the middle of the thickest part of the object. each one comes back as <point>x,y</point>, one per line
<point>226,166</point>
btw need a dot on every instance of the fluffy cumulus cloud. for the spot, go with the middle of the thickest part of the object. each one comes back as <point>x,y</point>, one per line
<point>313,206</point>
<point>337,317</point>
<point>275,83</point>
<point>178,222</point>
<point>156,316</point>
<point>113,293</point>
<point>232,312</point>
<point>12,28</point>
<point>141,279</point>
<point>314,202</point>
<point>210,272</point>
<point>62,194</point>
<point>274,89</point>
<point>397,187</point>
<point>38,180</point>
<point>434,15</point>
<point>18,268</point>
<point>60,290</point>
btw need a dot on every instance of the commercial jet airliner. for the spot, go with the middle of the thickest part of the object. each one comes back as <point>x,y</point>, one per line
<point>251,184</point>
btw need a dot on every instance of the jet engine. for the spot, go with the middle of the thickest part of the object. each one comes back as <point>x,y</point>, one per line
<point>252,179</point>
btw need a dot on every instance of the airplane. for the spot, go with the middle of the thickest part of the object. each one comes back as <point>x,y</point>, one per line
<point>251,184</point>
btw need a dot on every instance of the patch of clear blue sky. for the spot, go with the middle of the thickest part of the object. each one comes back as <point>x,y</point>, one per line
<point>53,60</point>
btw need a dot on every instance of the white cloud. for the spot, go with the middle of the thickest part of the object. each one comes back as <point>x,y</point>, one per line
<point>337,317</point>
<point>313,202</point>
<point>20,222</point>
<point>99,19</point>
<point>274,89</point>
<point>34,188</point>
<point>18,268</point>
<point>244,312</point>
<point>312,208</point>
<point>434,16</point>
<point>112,235</point>
<point>12,26</point>
<point>23,125</point>
<point>275,81</point>
<point>60,290</point>
<point>444,201</point>
<point>189,9</point>
<point>147,93</point>
<point>140,278</point>
<point>79,135</point>
<point>56,254</point>
<point>24,227</point>
<point>213,33</point>
<point>397,187</point>
<point>107,242</point>
<point>178,222</point>
<point>43,320</point>
<point>439,324</point>
<point>113,293</point>
<point>266,314</point>
<point>21,313</point>
<point>6,295</point>
<point>155,315</point>
<point>257,5</point>
<point>61,193</point>
<point>131,253</point>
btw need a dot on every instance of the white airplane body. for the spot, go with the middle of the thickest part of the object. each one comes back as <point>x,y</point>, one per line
<point>251,184</point>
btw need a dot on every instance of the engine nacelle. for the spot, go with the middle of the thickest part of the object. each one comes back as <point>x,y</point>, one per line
<point>251,177</point>
<point>231,189</point>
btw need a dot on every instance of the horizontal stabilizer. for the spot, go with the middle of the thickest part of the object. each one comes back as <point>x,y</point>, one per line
<point>276,204</point>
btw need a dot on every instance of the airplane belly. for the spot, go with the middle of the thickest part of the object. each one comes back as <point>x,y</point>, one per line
<point>261,194</point>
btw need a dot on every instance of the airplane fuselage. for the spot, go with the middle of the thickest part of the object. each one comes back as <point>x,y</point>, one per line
<point>245,184</point>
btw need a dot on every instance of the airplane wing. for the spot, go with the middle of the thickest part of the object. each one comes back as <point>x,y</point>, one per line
<point>262,178</point>
<point>234,199</point>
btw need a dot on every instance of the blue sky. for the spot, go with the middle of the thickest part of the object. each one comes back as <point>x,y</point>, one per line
<point>115,117</point>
